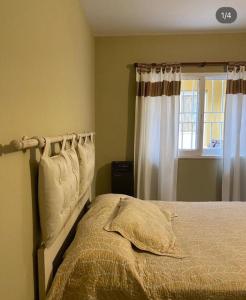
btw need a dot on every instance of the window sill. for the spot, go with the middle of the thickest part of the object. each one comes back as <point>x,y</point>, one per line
<point>200,157</point>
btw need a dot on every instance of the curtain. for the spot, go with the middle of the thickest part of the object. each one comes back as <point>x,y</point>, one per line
<point>234,152</point>
<point>156,131</point>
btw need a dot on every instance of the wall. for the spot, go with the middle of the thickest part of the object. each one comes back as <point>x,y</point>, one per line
<point>115,97</point>
<point>46,88</point>
<point>199,179</point>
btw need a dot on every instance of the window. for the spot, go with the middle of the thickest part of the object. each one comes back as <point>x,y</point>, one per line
<point>201,118</point>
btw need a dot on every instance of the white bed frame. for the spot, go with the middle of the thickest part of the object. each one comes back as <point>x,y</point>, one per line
<point>47,255</point>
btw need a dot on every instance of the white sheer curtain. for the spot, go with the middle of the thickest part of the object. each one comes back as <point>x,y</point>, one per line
<point>156,132</point>
<point>234,156</point>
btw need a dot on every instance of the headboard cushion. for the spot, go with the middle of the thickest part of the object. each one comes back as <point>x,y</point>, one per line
<point>86,156</point>
<point>58,191</point>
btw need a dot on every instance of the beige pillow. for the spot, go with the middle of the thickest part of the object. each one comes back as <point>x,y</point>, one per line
<point>58,192</point>
<point>145,226</point>
<point>86,156</point>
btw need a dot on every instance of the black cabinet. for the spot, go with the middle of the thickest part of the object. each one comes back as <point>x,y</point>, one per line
<point>122,177</point>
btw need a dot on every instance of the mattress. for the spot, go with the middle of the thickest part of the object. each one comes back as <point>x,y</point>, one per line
<point>102,265</point>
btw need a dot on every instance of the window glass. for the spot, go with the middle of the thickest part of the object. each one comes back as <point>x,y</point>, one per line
<point>214,115</point>
<point>188,119</point>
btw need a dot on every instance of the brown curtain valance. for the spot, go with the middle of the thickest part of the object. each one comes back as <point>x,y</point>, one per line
<point>156,84</point>
<point>160,88</point>
<point>235,66</point>
<point>236,82</point>
<point>146,68</point>
<point>236,86</point>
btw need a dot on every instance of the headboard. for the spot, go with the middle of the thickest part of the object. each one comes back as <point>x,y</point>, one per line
<point>60,209</point>
<point>64,189</point>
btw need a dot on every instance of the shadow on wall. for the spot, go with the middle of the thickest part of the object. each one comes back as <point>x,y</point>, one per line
<point>219,180</point>
<point>103,180</point>
<point>33,165</point>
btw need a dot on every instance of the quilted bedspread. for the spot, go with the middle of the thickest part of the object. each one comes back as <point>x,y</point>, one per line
<point>101,265</point>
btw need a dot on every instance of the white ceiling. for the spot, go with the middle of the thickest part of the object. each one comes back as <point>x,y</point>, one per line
<point>132,17</point>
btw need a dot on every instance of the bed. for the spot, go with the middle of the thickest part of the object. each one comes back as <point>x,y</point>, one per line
<point>100,265</point>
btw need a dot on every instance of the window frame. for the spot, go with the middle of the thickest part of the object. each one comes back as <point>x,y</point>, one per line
<point>199,152</point>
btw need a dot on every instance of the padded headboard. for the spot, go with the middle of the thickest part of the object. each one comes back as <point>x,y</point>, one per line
<point>58,190</point>
<point>64,188</point>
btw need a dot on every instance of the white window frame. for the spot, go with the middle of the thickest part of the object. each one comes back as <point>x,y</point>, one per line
<point>199,152</point>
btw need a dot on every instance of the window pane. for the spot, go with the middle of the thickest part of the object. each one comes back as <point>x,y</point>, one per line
<point>214,116</point>
<point>188,115</point>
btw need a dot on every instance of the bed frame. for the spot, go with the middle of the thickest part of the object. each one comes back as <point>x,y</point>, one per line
<point>49,258</point>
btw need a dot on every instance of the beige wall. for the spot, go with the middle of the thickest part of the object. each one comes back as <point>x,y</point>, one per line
<point>46,88</point>
<point>199,179</point>
<point>115,97</point>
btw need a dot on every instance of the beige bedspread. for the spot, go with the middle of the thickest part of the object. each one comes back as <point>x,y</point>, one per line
<point>103,265</point>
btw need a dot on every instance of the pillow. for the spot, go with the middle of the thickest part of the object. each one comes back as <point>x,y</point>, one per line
<point>58,191</point>
<point>86,156</point>
<point>145,226</point>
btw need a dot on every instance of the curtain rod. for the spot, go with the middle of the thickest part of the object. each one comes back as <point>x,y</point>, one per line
<point>199,64</point>
<point>27,143</point>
